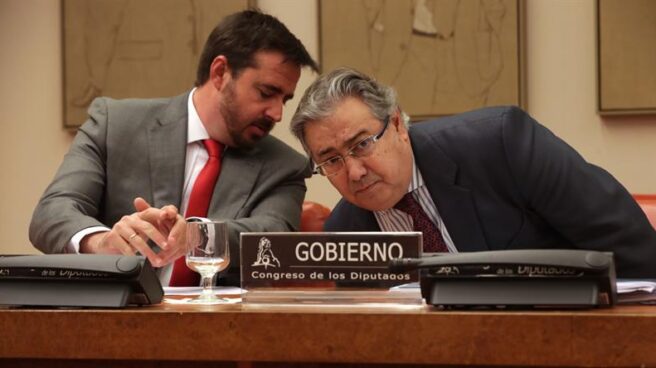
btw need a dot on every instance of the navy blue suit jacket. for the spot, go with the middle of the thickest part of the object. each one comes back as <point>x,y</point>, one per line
<point>501,180</point>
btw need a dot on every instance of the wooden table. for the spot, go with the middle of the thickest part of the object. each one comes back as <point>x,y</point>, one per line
<point>168,335</point>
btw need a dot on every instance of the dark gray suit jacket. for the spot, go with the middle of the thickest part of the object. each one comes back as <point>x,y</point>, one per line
<point>135,147</point>
<point>502,181</point>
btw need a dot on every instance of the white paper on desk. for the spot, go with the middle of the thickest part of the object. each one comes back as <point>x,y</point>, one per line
<point>624,287</point>
<point>406,287</point>
<point>196,290</point>
<point>636,291</point>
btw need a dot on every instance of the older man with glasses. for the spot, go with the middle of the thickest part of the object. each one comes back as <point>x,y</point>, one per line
<point>489,179</point>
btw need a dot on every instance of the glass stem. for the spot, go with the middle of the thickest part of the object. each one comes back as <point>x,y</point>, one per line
<point>207,285</point>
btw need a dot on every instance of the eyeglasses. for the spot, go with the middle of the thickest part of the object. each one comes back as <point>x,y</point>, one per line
<point>363,148</point>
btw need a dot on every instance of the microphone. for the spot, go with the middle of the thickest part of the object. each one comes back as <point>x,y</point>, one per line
<point>409,264</point>
<point>485,261</point>
<point>518,277</point>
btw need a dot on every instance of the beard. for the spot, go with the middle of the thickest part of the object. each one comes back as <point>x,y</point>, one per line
<point>236,125</point>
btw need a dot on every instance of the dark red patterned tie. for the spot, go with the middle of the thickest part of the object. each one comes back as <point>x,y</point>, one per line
<point>199,202</point>
<point>433,240</point>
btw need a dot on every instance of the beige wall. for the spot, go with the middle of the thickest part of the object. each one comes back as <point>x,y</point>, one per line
<point>560,79</point>
<point>301,18</point>
<point>561,82</point>
<point>33,142</point>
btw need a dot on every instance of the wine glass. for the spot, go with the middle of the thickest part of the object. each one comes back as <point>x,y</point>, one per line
<point>208,252</point>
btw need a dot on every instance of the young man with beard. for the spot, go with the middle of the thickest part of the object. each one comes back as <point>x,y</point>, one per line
<point>134,162</point>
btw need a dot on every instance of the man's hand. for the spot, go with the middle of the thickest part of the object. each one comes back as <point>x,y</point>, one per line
<point>169,223</point>
<point>165,227</point>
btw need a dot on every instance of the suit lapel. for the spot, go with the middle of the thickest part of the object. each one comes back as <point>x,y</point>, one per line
<point>167,145</point>
<point>239,172</point>
<point>454,203</point>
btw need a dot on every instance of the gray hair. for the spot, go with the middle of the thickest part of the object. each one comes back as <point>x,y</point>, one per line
<point>321,98</point>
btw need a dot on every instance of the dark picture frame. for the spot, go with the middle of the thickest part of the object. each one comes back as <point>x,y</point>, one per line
<point>442,57</point>
<point>626,82</point>
<point>133,48</point>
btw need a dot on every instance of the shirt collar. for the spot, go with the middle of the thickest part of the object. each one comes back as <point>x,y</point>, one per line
<point>417,180</point>
<point>195,129</point>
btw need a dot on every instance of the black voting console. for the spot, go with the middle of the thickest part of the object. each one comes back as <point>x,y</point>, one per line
<point>78,280</point>
<point>516,278</point>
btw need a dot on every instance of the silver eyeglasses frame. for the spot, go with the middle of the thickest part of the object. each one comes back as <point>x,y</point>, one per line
<point>360,149</point>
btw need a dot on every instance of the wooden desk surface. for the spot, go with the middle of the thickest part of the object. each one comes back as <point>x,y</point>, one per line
<point>621,336</point>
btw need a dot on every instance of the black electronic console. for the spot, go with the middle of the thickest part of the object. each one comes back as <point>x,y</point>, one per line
<point>78,280</point>
<point>555,278</point>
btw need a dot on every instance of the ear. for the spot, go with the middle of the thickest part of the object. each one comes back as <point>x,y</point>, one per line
<point>219,72</point>
<point>399,125</point>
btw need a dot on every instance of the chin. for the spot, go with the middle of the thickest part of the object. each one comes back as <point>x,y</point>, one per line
<point>380,201</point>
<point>246,142</point>
<point>255,138</point>
<point>373,204</point>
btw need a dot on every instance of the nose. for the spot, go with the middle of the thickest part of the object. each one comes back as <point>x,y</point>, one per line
<point>354,167</point>
<point>274,111</point>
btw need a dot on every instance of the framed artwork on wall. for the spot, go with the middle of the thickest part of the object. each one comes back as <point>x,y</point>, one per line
<point>133,48</point>
<point>442,56</point>
<point>626,57</point>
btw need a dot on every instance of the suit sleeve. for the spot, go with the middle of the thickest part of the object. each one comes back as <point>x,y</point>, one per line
<point>278,210</point>
<point>71,201</point>
<point>275,203</point>
<point>347,217</point>
<point>581,201</point>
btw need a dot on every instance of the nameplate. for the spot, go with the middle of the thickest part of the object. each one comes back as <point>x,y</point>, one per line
<point>358,260</point>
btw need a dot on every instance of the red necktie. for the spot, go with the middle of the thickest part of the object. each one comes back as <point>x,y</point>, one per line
<point>433,240</point>
<point>199,202</point>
